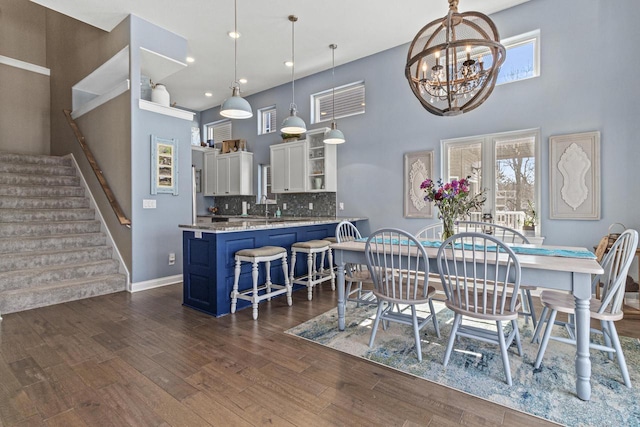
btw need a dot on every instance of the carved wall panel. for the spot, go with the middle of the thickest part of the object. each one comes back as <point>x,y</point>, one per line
<point>575,176</point>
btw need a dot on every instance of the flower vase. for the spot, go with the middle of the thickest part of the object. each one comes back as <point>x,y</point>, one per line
<point>447,228</point>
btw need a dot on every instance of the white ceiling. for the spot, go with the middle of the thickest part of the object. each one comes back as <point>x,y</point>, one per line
<point>359,27</point>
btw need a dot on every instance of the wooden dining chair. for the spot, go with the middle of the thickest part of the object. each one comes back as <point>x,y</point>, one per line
<point>607,309</point>
<point>507,235</point>
<point>481,277</point>
<point>398,264</point>
<point>355,273</point>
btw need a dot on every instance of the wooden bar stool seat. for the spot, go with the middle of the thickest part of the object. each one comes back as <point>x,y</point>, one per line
<point>255,256</point>
<point>314,275</point>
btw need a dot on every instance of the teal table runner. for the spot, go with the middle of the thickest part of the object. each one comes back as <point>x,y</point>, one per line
<point>522,250</point>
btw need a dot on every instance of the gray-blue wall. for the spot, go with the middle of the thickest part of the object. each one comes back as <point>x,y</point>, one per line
<point>586,61</point>
<point>155,231</point>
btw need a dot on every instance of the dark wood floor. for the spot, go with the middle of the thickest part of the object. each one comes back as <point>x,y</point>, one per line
<point>144,360</point>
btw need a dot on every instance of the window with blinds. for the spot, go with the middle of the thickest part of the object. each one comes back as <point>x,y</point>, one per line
<point>219,131</point>
<point>349,101</point>
<point>267,120</point>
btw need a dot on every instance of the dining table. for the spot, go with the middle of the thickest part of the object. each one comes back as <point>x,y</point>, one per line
<point>542,266</point>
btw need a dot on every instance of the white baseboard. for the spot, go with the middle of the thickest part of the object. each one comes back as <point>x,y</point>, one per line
<point>155,283</point>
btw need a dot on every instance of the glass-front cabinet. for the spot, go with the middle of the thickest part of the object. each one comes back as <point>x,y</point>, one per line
<point>322,163</point>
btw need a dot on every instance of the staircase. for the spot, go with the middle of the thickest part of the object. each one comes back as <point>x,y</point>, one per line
<point>51,246</point>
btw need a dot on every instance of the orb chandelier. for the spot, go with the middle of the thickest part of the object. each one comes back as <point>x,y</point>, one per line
<point>453,62</point>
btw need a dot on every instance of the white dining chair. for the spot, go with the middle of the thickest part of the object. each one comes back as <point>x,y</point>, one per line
<point>398,264</point>
<point>607,309</point>
<point>355,274</point>
<point>481,277</point>
<point>430,232</point>
<point>507,235</point>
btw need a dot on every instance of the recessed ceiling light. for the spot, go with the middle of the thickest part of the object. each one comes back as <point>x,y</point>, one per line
<point>234,34</point>
<point>242,81</point>
<point>190,60</point>
<point>288,63</point>
<point>209,94</point>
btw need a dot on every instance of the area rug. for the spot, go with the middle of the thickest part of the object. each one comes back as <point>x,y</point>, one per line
<point>476,367</point>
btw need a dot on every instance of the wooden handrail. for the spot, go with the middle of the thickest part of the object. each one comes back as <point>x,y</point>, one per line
<point>94,165</point>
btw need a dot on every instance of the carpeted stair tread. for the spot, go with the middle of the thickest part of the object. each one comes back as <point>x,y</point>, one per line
<point>24,168</point>
<point>31,277</point>
<point>31,215</point>
<point>58,292</point>
<point>48,228</point>
<point>38,159</point>
<point>25,260</point>
<point>52,242</point>
<point>16,202</point>
<point>32,179</point>
<point>41,191</point>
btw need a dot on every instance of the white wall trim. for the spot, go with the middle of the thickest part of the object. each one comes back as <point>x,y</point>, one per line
<point>103,226</point>
<point>143,104</point>
<point>24,65</point>
<point>156,283</point>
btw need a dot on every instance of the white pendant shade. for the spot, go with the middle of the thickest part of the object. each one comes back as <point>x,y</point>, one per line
<point>236,107</point>
<point>293,124</point>
<point>333,135</point>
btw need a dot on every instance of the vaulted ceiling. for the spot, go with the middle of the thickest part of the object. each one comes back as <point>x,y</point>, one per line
<point>359,27</point>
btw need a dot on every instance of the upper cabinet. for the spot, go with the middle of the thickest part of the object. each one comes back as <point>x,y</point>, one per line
<point>288,167</point>
<point>304,166</point>
<point>322,158</point>
<point>228,174</point>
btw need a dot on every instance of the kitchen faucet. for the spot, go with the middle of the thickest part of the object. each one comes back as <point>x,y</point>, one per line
<point>266,207</point>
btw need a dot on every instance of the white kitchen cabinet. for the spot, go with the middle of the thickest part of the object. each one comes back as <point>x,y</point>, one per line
<point>228,174</point>
<point>322,170</point>
<point>289,167</point>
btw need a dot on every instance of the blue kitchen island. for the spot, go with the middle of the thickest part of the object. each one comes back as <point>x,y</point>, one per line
<point>208,256</point>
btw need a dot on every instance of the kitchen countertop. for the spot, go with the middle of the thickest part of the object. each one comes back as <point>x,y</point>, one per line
<point>259,223</point>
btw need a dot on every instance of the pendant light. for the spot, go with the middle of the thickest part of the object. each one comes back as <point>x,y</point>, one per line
<point>333,135</point>
<point>236,107</point>
<point>293,124</point>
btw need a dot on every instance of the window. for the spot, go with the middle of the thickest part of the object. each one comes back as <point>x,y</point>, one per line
<point>218,131</point>
<point>267,120</point>
<point>349,102</point>
<point>264,184</point>
<point>523,58</point>
<point>512,183</point>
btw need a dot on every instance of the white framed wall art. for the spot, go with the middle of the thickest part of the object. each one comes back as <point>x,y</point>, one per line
<point>418,166</point>
<point>575,176</point>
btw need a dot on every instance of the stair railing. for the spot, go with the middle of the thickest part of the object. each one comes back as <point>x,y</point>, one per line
<point>94,165</point>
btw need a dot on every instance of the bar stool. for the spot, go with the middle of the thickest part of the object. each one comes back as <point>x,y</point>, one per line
<point>314,276</point>
<point>264,254</point>
<point>331,240</point>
